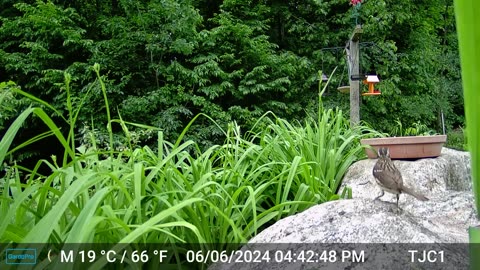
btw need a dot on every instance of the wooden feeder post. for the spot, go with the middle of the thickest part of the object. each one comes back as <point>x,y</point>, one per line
<point>353,55</point>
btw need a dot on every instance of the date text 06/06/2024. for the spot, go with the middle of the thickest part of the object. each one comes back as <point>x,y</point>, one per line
<point>277,256</point>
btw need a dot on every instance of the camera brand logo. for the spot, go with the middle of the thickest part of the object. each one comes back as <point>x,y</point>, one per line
<point>21,256</point>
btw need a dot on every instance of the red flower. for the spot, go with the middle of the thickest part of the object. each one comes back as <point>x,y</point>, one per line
<point>355,2</point>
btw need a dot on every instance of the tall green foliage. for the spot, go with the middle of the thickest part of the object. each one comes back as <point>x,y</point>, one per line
<point>168,60</point>
<point>415,59</point>
<point>225,194</point>
<point>468,37</point>
<point>39,45</point>
<point>143,49</point>
<point>36,47</point>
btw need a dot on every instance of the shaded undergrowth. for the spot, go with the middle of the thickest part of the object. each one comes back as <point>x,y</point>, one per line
<point>171,194</point>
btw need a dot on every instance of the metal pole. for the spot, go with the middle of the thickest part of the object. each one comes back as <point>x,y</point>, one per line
<point>443,123</point>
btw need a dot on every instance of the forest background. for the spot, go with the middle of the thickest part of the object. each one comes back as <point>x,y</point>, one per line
<point>165,61</point>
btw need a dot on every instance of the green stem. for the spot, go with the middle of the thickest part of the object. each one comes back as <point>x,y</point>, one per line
<point>467,18</point>
<point>474,235</point>
<point>466,12</point>
<point>96,67</point>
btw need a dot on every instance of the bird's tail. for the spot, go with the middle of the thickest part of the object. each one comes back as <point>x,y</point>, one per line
<point>415,194</point>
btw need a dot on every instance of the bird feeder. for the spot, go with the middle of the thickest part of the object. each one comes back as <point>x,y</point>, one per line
<point>344,89</point>
<point>324,78</point>
<point>371,80</point>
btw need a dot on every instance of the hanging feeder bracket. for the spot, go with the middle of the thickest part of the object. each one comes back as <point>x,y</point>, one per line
<point>358,77</point>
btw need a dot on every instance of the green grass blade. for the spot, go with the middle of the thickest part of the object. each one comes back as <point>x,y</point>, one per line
<point>14,207</point>
<point>469,46</point>
<point>83,226</point>
<point>44,229</point>
<point>11,132</point>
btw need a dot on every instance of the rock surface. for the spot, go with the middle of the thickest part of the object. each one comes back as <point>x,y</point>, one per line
<point>445,180</point>
<point>445,218</point>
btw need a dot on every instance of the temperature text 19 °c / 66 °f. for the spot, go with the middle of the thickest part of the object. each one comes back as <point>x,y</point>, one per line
<point>112,256</point>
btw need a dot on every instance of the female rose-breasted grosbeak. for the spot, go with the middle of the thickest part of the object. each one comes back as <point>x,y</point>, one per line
<point>389,178</point>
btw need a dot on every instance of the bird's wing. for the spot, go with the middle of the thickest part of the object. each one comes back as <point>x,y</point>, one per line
<point>397,175</point>
<point>391,177</point>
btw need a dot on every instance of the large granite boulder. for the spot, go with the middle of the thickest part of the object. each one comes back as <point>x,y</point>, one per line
<point>445,180</point>
<point>445,218</point>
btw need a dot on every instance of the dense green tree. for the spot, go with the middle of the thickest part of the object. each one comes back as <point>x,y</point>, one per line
<point>36,47</point>
<point>164,61</point>
<point>415,69</point>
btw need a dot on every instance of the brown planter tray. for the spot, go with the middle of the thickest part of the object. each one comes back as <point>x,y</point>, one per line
<point>407,147</point>
<point>344,89</point>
